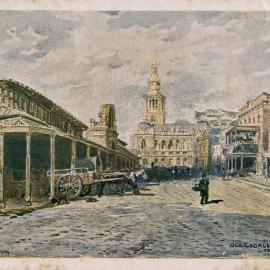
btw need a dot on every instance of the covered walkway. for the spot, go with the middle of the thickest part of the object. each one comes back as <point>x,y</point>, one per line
<point>30,147</point>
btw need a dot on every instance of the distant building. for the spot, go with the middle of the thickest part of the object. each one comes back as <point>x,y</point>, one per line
<point>216,118</point>
<point>203,145</point>
<point>217,158</point>
<point>217,121</point>
<point>159,143</point>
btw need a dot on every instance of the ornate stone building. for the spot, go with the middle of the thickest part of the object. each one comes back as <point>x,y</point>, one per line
<point>256,114</point>
<point>104,132</point>
<point>157,142</point>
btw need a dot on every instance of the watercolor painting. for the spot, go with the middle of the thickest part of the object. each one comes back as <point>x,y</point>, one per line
<point>134,134</point>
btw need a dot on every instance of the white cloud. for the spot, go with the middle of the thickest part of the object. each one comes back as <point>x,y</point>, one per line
<point>84,59</point>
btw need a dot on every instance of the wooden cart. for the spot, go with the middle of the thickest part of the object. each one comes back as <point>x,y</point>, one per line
<point>70,182</point>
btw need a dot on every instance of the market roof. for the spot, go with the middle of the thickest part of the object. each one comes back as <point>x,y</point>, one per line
<point>39,98</point>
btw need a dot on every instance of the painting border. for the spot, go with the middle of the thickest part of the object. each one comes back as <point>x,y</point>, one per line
<point>136,263</point>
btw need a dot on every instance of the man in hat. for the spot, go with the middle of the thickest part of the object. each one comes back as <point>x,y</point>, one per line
<point>204,189</point>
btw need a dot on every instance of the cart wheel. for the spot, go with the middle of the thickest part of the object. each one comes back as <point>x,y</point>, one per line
<point>69,185</point>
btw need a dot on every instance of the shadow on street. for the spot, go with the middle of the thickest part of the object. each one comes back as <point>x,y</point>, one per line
<point>215,201</point>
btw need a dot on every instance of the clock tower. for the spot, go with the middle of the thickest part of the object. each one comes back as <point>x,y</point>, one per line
<point>154,101</point>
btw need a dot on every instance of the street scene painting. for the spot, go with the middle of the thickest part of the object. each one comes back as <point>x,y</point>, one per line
<point>134,134</point>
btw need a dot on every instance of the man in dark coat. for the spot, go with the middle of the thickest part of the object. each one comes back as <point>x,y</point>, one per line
<point>204,189</point>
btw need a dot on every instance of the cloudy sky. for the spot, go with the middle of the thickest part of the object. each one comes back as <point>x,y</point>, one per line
<point>84,59</point>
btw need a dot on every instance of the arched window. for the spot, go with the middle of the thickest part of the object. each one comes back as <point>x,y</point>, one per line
<point>156,103</point>
<point>177,144</point>
<point>170,145</point>
<point>152,118</point>
<point>178,161</point>
<point>150,104</point>
<point>249,120</point>
<point>156,144</point>
<point>143,144</point>
<point>259,120</point>
<point>184,161</point>
<point>245,121</point>
<point>163,144</point>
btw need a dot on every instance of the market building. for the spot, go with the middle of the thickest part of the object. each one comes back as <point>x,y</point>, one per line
<point>36,136</point>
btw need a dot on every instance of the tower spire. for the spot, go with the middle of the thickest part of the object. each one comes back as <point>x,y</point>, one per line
<point>154,101</point>
<point>154,81</point>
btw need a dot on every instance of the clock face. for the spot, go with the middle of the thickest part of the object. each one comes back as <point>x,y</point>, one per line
<point>152,86</point>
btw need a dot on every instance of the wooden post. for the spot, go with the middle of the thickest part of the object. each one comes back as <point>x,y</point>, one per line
<point>52,164</point>
<point>108,160</point>
<point>100,160</point>
<point>242,162</point>
<point>28,170</point>
<point>73,154</point>
<point>266,168</point>
<point>114,161</point>
<point>88,151</point>
<point>2,200</point>
<point>122,163</point>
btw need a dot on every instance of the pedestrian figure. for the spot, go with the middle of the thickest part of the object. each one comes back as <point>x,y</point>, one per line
<point>204,189</point>
<point>132,180</point>
<point>173,173</point>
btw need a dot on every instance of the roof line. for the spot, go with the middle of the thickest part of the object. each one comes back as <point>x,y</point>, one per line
<point>31,92</point>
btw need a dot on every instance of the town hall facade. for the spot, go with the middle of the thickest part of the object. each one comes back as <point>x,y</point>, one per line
<point>158,143</point>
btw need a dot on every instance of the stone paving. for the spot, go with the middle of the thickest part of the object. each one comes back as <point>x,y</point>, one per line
<point>165,221</point>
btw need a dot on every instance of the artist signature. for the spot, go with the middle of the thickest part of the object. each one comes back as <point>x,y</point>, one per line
<point>259,246</point>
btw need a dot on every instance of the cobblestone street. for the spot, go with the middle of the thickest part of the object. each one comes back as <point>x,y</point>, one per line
<point>166,220</point>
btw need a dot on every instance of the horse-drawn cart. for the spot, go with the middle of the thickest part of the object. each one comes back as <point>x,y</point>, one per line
<point>70,183</point>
